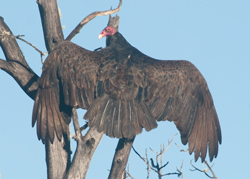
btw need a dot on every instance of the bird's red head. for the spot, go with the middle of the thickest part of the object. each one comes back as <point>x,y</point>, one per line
<point>108,31</point>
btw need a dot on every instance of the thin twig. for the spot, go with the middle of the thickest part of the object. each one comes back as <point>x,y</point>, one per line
<point>19,37</point>
<point>181,150</point>
<point>167,146</point>
<point>180,170</point>
<point>127,172</point>
<point>144,160</point>
<point>161,150</point>
<point>153,151</point>
<point>162,166</point>
<point>155,167</point>
<point>203,171</point>
<point>174,173</point>
<point>148,169</point>
<point>42,53</point>
<point>90,17</point>
<point>210,168</point>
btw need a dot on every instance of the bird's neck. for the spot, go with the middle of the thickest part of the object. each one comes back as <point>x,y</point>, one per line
<point>117,41</point>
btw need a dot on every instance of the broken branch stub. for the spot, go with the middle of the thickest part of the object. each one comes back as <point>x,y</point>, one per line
<point>90,17</point>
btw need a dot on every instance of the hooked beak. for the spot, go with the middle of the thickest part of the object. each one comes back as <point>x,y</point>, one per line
<point>100,36</point>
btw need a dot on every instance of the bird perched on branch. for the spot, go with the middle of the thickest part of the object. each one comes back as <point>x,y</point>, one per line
<point>124,91</point>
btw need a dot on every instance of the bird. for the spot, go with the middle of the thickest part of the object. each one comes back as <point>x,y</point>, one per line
<point>125,91</point>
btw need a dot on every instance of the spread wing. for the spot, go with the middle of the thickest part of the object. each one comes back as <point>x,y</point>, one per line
<point>177,91</point>
<point>125,92</point>
<point>68,80</point>
<point>98,81</point>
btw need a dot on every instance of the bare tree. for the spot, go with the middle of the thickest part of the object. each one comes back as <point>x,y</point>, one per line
<point>58,154</point>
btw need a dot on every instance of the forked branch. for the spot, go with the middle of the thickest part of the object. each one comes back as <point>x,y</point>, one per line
<point>205,171</point>
<point>15,64</point>
<point>159,166</point>
<point>90,17</point>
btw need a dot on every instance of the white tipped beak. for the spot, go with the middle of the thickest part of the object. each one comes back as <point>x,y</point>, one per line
<point>100,36</point>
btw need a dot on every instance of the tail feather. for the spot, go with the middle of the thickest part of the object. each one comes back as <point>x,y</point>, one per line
<point>96,111</point>
<point>116,119</point>
<point>134,114</point>
<point>148,123</point>
<point>128,129</point>
<point>43,124</point>
<point>35,108</point>
<point>56,118</point>
<point>119,118</point>
<point>64,125</point>
<point>108,116</point>
<point>38,125</point>
<point>50,117</point>
<point>103,117</point>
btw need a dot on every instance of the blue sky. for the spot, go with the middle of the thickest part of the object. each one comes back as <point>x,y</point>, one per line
<point>213,35</point>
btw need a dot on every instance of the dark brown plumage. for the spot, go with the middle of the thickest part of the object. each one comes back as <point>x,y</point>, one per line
<point>124,91</point>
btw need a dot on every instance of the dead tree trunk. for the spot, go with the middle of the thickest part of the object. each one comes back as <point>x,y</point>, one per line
<point>58,158</point>
<point>58,153</point>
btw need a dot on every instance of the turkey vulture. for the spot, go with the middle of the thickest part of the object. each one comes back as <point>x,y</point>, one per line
<point>124,91</point>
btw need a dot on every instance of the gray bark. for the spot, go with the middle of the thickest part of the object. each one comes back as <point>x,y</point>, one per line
<point>121,158</point>
<point>57,154</point>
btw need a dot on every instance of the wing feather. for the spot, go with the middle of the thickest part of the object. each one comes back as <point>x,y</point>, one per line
<point>38,126</point>
<point>204,137</point>
<point>176,91</point>
<point>43,116</point>
<point>35,108</point>
<point>117,119</point>
<point>56,119</point>
<point>125,92</point>
<point>50,117</point>
<point>68,80</point>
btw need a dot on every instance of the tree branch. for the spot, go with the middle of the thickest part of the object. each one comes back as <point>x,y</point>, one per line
<point>86,146</point>
<point>121,158</point>
<point>4,65</point>
<point>52,28</point>
<point>210,168</point>
<point>162,152</point>
<point>204,171</point>
<point>90,17</point>
<point>158,167</point>
<point>127,172</point>
<point>17,67</point>
<point>57,154</point>
<point>15,64</point>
